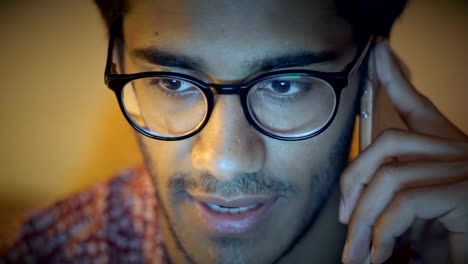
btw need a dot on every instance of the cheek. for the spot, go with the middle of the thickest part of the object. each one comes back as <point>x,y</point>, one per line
<point>298,160</point>
<point>164,158</point>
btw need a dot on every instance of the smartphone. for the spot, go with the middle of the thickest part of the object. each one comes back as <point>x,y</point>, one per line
<point>376,114</point>
<point>366,115</point>
<point>366,123</point>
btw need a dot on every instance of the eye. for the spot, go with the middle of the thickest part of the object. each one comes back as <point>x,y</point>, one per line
<point>171,84</point>
<point>281,86</point>
<point>285,87</point>
<point>173,87</point>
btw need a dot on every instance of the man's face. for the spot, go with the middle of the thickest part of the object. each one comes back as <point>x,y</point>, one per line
<point>275,187</point>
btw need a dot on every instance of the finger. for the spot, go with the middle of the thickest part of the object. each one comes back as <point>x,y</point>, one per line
<point>445,203</point>
<point>389,180</point>
<point>403,67</point>
<point>360,171</point>
<point>418,113</point>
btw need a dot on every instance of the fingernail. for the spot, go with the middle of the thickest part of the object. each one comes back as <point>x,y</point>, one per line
<point>384,45</point>
<point>351,201</point>
<point>383,49</point>
<point>373,254</point>
<point>342,211</point>
<point>344,256</point>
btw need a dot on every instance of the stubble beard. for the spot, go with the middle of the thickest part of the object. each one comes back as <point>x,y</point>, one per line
<point>231,251</point>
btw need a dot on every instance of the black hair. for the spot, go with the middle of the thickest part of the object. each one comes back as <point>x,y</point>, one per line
<point>112,11</point>
<point>368,17</point>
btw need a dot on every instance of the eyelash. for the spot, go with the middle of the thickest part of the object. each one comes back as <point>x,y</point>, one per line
<point>172,93</point>
<point>303,87</point>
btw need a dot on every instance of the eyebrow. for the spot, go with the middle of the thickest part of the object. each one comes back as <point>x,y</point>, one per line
<point>163,58</point>
<point>297,59</point>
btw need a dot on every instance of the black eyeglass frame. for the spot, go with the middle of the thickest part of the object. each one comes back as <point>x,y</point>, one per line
<point>337,80</point>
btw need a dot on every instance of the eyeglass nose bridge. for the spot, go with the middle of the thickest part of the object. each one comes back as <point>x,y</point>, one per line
<point>226,89</point>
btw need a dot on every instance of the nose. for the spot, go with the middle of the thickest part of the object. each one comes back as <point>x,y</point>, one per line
<point>228,146</point>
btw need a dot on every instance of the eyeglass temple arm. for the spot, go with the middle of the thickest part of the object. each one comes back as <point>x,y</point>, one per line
<point>110,66</point>
<point>361,57</point>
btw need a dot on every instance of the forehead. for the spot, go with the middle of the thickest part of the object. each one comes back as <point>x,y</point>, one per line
<point>229,31</point>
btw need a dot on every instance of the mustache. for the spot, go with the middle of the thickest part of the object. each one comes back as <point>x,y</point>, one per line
<point>247,183</point>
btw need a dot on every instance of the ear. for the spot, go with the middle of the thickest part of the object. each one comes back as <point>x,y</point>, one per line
<point>118,56</point>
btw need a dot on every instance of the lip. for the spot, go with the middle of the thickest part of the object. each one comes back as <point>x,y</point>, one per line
<point>232,224</point>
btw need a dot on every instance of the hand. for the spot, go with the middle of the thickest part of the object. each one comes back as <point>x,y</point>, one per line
<point>404,175</point>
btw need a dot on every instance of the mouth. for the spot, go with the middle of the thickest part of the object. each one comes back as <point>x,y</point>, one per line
<point>231,215</point>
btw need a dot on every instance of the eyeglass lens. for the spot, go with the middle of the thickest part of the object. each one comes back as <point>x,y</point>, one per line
<point>284,105</point>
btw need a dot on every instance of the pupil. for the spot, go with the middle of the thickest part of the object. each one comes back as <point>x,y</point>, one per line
<point>281,86</point>
<point>171,84</point>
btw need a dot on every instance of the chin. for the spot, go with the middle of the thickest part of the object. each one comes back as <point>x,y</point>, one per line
<point>273,229</point>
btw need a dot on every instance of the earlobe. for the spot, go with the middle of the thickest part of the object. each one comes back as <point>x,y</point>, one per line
<point>118,56</point>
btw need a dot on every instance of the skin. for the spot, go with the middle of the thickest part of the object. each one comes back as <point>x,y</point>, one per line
<point>229,153</point>
<point>421,172</point>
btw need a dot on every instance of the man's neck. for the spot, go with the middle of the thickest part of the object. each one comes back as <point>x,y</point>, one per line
<point>324,240</point>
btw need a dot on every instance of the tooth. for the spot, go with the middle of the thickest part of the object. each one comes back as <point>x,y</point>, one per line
<point>213,206</point>
<point>243,209</point>
<point>229,210</point>
<point>234,211</point>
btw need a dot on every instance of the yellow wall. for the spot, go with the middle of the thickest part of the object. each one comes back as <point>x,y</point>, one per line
<point>61,130</point>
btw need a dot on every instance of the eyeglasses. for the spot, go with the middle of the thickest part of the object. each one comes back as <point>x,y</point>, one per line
<point>286,105</point>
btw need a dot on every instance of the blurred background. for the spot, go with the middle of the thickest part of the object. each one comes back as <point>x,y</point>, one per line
<point>61,129</point>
